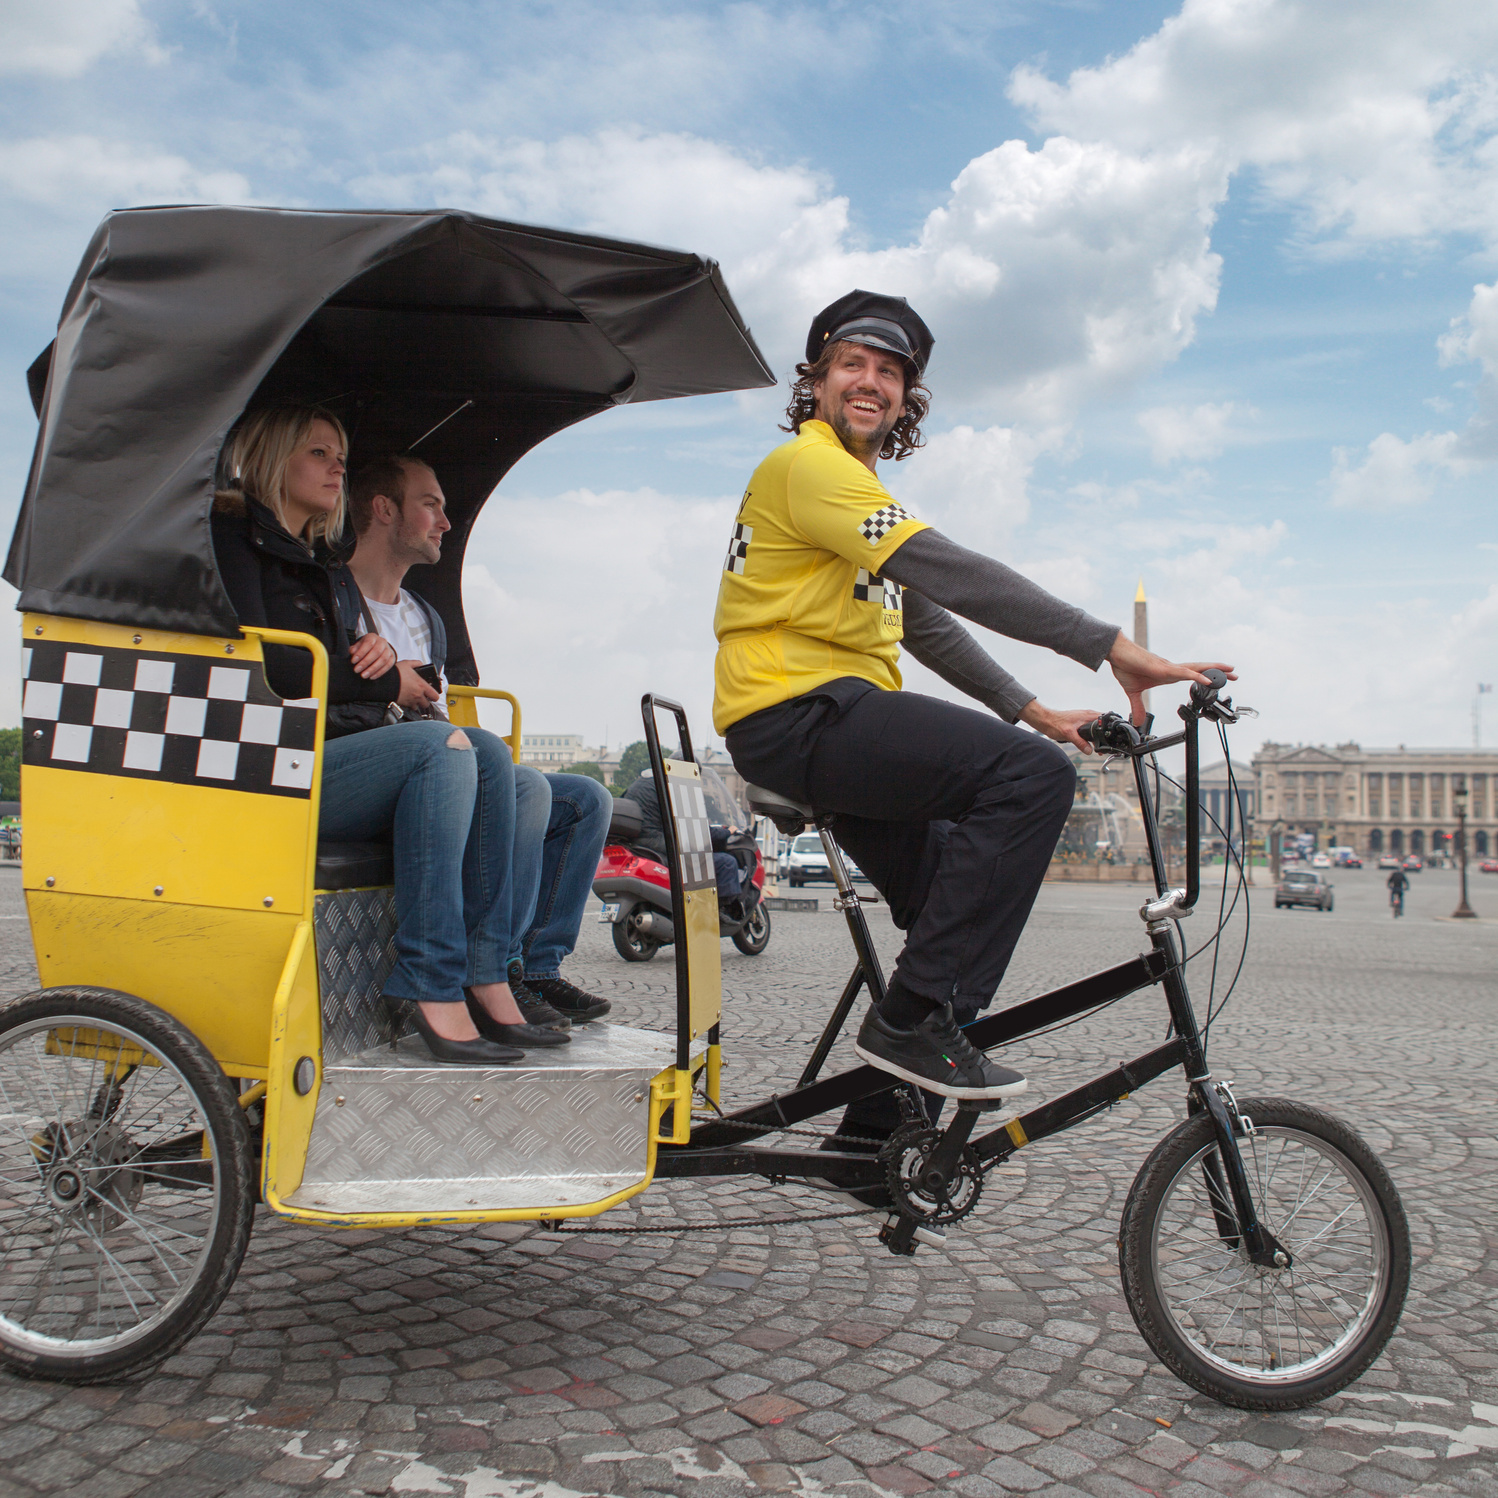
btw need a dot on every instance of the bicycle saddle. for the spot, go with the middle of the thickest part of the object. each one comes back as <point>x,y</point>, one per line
<point>789,816</point>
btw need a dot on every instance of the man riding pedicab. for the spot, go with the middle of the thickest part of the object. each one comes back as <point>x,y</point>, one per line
<point>953,814</point>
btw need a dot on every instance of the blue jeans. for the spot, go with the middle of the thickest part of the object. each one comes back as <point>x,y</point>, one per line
<point>453,814</point>
<point>726,868</point>
<point>565,863</point>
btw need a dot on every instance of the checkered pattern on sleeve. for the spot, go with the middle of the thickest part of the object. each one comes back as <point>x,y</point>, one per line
<point>871,588</point>
<point>694,833</point>
<point>148,715</point>
<point>738,547</point>
<point>882,522</point>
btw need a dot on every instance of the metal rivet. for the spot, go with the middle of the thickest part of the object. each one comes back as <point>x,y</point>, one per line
<point>36,733</point>
<point>269,901</point>
<point>38,629</point>
<point>228,650</point>
<point>296,764</point>
<point>136,639</point>
<point>478,1097</point>
<point>158,890</point>
<point>50,881</point>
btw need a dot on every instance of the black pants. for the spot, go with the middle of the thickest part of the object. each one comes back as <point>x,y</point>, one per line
<point>953,814</point>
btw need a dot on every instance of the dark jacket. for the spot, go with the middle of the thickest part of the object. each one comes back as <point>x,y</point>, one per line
<point>642,792</point>
<point>273,580</point>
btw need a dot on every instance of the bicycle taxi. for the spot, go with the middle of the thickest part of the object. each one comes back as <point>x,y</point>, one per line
<point>207,1034</point>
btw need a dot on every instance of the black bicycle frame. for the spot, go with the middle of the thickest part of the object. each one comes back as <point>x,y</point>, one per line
<point>722,1146</point>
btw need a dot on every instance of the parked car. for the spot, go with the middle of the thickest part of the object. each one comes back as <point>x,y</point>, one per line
<point>1304,887</point>
<point>1489,866</point>
<point>806,862</point>
<point>1321,861</point>
<point>1413,864</point>
<point>1389,861</point>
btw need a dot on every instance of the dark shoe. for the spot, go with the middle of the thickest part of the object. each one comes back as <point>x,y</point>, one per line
<point>529,1036</point>
<point>479,1052</point>
<point>533,1008</point>
<point>865,1196</point>
<point>567,998</point>
<point>936,1055</point>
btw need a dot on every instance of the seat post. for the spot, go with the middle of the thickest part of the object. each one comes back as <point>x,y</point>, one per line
<point>851,905</point>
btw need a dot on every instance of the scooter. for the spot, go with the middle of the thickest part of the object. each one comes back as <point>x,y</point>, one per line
<point>635,886</point>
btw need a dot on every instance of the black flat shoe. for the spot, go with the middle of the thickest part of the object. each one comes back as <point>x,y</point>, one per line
<point>479,1052</point>
<point>512,1035</point>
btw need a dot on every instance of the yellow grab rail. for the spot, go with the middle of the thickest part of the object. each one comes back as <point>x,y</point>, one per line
<point>464,712</point>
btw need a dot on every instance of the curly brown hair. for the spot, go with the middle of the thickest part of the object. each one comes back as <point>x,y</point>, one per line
<point>904,437</point>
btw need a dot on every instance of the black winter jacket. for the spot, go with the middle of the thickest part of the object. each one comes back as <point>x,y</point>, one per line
<point>273,580</point>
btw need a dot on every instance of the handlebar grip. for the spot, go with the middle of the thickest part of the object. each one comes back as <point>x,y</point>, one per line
<point>1086,731</point>
<point>1216,681</point>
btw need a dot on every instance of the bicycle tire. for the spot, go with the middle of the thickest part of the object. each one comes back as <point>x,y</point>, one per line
<point>164,1221</point>
<point>1327,1317</point>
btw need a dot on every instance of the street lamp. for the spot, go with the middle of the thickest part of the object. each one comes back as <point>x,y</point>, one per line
<point>1463,911</point>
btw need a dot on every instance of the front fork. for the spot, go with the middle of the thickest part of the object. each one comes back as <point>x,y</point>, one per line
<point>1225,1175</point>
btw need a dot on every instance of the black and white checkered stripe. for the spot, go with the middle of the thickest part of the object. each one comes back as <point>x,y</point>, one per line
<point>738,547</point>
<point>882,522</point>
<point>871,588</point>
<point>694,834</point>
<point>189,719</point>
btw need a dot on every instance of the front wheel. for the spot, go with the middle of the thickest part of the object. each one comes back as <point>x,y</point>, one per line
<point>754,936</point>
<point>630,942</point>
<point>1253,1337</point>
<point>126,1184</point>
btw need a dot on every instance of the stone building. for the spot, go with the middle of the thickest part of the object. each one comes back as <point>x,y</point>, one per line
<point>1377,800</point>
<point>553,751</point>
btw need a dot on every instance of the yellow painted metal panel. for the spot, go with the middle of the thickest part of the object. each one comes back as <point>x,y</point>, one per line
<point>704,959</point>
<point>214,969</point>
<point>110,835</point>
<point>463,710</point>
<point>295,1032</point>
<point>115,834</point>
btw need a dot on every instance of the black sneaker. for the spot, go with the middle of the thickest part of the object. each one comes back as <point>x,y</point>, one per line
<point>936,1055</point>
<point>534,1010</point>
<point>568,999</point>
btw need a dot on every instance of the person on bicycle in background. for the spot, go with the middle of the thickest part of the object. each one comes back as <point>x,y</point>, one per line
<point>953,814</point>
<point>1398,882</point>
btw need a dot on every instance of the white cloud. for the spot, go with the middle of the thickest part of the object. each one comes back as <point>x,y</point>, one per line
<point>1394,473</point>
<point>82,174</point>
<point>64,38</point>
<point>1376,120</point>
<point>1200,432</point>
<point>1049,275</point>
<point>972,483</point>
<point>635,613</point>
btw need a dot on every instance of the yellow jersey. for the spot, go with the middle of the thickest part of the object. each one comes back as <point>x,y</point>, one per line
<point>801,601</point>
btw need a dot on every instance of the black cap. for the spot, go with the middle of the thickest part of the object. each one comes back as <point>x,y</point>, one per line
<point>869,317</point>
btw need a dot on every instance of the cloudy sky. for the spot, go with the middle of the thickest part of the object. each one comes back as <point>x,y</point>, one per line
<point>1214,288</point>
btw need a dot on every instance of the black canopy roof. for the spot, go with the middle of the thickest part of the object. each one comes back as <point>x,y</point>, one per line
<point>180,319</point>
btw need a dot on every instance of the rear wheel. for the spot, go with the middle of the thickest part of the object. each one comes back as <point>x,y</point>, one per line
<point>754,937</point>
<point>1260,1338</point>
<point>630,942</point>
<point>126,1184</point>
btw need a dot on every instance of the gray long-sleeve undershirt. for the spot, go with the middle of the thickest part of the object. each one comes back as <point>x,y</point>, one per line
<point>939,575</point>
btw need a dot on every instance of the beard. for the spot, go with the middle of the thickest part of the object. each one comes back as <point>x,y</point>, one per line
<point>854,440</point>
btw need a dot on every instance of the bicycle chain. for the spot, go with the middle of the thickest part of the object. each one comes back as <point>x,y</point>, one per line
<point>713,1227</point>
<point>733,1123</point>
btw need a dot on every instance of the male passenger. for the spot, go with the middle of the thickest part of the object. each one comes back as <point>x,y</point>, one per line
<point>399,515</point>
<point>953,814</point>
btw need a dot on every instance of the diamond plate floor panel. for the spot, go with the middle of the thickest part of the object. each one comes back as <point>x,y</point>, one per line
<point>395,1131</point>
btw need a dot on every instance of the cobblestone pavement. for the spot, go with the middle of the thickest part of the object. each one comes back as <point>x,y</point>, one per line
<point>513,1363</point>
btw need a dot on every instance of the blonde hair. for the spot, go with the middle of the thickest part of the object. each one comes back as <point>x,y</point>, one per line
<point>261,447</point>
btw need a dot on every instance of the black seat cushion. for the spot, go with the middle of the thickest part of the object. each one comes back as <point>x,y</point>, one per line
<point>625,822</point>
<point>354,865</point>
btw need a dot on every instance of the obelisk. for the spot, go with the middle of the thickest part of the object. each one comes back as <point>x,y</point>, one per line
<point>1142,626</point>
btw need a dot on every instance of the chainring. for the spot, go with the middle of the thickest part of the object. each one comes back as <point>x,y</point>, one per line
<point>905,1156</point>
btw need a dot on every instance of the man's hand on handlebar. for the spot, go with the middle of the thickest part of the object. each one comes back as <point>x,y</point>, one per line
<point>1138,670</point>
<point>372,656</point>
<point>1059,723</point>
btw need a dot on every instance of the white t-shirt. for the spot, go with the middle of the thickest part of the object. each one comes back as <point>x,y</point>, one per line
<point>405,625</point>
